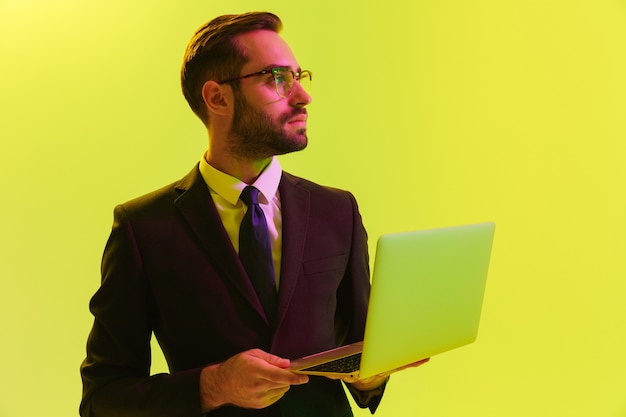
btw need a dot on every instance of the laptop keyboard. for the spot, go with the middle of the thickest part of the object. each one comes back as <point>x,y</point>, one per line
<point>343,365</point>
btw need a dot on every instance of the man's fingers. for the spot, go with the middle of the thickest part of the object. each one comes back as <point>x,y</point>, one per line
<point>378,378</point>
<point>275,369</point>
<point>269,358</point>
<point>284,377</point>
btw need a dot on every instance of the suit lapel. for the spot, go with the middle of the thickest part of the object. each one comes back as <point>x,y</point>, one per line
<point>197,208</point>
<point>295,208</point>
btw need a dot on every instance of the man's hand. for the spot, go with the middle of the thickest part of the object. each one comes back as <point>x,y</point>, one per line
<point>251,379</point>
<point>377,380</point>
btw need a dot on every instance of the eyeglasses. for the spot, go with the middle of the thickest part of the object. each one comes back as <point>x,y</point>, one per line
<point>284,79</point>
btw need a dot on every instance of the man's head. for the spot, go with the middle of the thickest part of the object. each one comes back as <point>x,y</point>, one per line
<point>243,81</point>
<point>214,53</point>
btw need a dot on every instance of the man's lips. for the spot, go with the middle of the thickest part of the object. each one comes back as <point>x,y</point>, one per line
<point>299,117</point>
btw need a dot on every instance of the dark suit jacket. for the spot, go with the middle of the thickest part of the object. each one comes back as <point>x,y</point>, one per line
<point>169,268</point>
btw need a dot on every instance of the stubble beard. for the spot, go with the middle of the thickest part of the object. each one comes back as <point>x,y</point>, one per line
<point>255,136</point>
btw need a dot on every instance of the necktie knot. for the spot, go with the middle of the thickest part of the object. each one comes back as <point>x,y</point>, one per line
<point>250,195</point>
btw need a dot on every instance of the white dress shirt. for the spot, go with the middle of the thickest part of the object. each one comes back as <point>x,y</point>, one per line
<point>225,191</point>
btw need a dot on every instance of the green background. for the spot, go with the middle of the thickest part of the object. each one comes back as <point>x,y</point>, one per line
<point>433,113</point>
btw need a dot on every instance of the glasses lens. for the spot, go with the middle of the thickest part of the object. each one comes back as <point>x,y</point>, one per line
<point>305,81</point>
<point>285,78</point>
<point>284,81</point>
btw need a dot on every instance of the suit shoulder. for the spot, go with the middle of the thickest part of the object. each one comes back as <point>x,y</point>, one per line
<point>316,188</point>
<point>164,196</point>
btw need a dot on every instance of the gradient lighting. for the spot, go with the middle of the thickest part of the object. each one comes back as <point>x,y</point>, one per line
<point>432,113</point>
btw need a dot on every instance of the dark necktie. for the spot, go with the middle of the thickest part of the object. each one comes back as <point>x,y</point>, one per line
<point>255,251</point>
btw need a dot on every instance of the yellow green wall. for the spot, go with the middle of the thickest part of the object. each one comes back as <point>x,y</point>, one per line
<point>432,112</point>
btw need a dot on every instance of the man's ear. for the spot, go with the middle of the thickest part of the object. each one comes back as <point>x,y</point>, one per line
<point>218,98</point>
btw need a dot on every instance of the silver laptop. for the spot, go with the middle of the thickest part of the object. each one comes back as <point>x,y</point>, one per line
<point>426,298</point>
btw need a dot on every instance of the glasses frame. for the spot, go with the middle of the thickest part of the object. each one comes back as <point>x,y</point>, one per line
<point>274,71</point>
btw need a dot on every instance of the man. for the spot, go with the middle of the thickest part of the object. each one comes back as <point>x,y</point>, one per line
<point>172,263</point>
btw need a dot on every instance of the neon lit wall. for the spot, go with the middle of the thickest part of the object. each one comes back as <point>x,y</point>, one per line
<point>432,113</point>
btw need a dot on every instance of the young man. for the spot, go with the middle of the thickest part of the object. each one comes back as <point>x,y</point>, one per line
<point>174,264</point>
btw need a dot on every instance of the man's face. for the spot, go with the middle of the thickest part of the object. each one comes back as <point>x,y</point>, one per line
<point>256,135</point>
<point>265,124</point>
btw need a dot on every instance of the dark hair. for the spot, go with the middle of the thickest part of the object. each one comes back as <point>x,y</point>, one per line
<point>214,53</point>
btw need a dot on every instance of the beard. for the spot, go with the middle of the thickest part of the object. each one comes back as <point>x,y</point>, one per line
<point>255,136</point>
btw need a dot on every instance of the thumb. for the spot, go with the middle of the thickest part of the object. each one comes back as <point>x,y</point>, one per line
<point>277,361</point>
<point>271,359</point>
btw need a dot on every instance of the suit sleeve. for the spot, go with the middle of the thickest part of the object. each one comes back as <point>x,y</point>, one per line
<point>357,285</point>
<point>116,372</point>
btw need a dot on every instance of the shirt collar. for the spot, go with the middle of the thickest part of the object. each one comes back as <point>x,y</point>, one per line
<point>230,188</point>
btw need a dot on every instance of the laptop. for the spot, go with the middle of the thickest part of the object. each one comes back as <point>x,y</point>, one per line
<point>426,299</point>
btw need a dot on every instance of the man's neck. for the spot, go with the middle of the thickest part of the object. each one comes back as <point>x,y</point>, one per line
<point>243,169</point>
